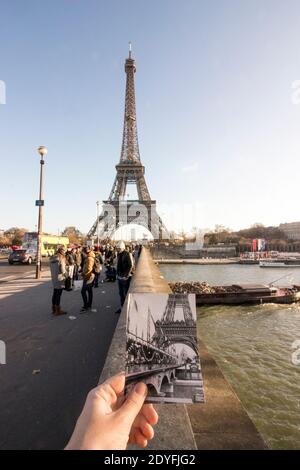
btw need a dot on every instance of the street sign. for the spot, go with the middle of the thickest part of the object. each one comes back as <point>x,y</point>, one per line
<point>39,202</point>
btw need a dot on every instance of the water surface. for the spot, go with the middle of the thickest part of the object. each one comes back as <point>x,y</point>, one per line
<point>253,346</point>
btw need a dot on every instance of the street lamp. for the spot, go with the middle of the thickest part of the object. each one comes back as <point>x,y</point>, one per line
<point>40,203</point>
<point>97,223</point>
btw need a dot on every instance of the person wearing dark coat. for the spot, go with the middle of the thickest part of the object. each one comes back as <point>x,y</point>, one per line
<point>124,272</point>
<point>110,262</point>
<point>78,259</point>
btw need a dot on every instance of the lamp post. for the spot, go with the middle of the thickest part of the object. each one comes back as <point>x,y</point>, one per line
<point>97,223</point>
<point>40,203</point>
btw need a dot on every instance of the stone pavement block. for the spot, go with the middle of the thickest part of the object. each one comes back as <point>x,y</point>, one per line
<point>174,429</point>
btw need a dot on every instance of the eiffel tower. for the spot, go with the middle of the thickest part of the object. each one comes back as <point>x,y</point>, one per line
<point>171,331</point>
<point>118,211</point>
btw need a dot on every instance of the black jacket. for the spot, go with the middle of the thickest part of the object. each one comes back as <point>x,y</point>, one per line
<point>70,259</point>
<point>124,264</point>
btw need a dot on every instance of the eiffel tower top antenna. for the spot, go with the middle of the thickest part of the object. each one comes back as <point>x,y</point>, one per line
<point>130,171</point>
<point>130,152</point>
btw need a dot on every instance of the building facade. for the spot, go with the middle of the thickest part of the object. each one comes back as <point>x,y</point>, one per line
<point>291,230</point>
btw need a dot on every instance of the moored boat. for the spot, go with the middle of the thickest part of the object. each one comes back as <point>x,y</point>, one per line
<point>239,294</point>
<point>280,263</point>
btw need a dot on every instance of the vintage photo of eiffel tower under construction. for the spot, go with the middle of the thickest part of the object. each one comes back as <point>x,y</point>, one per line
<point>162,349</point>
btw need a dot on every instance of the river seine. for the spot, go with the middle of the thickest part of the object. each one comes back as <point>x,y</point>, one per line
<point>255,348</point>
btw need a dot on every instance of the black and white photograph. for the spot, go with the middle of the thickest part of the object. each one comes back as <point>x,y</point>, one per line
<point>162,349</point>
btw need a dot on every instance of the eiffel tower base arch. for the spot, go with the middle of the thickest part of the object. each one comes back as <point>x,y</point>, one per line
<point>116,214</point>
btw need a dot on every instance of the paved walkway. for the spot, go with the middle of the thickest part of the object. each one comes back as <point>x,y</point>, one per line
<point>52,362</point>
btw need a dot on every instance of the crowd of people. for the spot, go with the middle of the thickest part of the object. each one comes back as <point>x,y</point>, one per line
<point>84,265</point>
<point>109,420</point>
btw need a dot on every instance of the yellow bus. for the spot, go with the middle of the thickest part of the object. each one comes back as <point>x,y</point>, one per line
<point>49,243</point>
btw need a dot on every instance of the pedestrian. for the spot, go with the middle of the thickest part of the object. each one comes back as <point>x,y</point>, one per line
<point>124,272</point>
<point>97,265</point>
<point>70,263</point>
<point>88,279</point>
<point>109,254</point>
<point>83,256</point>
<point>130,251</point>
<point>110,264</point>
<point>75,273</point>
<point>77,266</point>
<point>58,276</point>
<point>136,252</point>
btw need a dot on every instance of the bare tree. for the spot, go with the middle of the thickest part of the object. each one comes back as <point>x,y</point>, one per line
<point>74,235</point>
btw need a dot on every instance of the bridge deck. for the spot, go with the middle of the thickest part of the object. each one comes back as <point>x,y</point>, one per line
<point>133,376</point>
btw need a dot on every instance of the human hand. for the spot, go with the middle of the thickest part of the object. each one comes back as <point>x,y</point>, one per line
<point>109,421</point>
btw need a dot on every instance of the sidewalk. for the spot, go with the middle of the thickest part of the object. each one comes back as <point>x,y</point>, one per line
<point>52,362</point>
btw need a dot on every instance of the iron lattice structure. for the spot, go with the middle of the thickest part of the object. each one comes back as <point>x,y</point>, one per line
<point>178,301</point>
<point>170,331</point>
<point>117,210</point>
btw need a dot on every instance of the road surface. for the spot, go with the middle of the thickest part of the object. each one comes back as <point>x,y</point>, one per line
<point>16,270</point>
<point>52,362</point>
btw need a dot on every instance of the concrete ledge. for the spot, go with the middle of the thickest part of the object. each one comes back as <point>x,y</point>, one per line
<point>220,423</point>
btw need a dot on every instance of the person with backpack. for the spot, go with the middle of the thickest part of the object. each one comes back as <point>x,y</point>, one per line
<point>88,279</point>
<point>97,266</point>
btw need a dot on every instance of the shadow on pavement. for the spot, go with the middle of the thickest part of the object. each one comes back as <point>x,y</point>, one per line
<point>52,363</point>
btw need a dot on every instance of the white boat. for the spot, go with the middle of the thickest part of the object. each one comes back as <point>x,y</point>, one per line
<point>280,263</point>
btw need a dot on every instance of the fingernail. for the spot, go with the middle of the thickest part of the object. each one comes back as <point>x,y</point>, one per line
<point>141,389</point>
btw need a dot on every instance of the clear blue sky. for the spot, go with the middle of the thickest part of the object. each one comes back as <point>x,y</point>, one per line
<point>216,120</point>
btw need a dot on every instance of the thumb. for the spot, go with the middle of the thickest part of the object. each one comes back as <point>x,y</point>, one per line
<point>133,403</point>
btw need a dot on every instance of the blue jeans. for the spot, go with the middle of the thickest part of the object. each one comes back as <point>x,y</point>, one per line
<point>123,289</point>
<point>96,280</point>
<point>87,294</point>
<point>56,297</point>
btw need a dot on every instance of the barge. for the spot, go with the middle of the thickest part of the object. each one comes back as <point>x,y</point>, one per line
<point>238,294</point>
<point>280,263</point>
